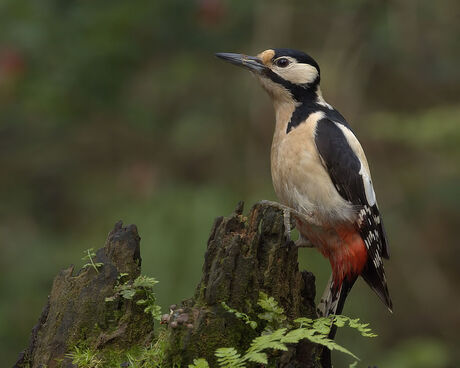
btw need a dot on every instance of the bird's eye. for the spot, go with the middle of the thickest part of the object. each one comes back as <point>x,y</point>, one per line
<point>282,62</point>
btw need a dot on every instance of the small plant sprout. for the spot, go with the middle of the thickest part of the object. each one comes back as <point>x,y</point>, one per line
<point>89,256</point>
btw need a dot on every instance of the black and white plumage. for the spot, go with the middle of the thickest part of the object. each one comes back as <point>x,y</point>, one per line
<point>352,180</point>
<point>319,169</point>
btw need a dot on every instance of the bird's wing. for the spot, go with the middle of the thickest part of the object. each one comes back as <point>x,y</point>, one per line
<point>344,159</point>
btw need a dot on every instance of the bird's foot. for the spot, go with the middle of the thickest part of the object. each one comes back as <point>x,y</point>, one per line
<point>304,217</point>
<point>302,242</point>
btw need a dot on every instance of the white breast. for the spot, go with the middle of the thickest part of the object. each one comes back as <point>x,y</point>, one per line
<point>299,178</point>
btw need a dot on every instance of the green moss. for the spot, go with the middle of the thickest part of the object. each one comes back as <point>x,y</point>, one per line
<point>137,356</point>
<point>216,329</point>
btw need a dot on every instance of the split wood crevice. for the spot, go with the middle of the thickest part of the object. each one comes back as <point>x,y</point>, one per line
<point>244,255</point>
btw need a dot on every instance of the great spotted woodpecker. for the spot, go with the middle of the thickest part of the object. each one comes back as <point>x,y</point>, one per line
<point>319,170</point>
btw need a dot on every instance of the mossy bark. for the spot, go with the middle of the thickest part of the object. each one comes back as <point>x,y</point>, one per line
<point>77,313</point>
<point>245,255</point>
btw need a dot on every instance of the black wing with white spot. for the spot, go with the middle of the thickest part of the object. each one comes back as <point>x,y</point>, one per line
<point>353,183</point>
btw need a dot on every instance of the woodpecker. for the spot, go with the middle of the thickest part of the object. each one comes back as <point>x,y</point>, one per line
<point>320,173</point>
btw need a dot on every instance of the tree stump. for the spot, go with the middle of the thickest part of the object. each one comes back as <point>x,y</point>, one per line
<point>245,255</point>
<point>76,310</point>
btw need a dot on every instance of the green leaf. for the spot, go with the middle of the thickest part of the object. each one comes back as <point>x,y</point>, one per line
<point>340,321</point>
<point>128,293</point>
<point>267,341</point>
<point>199,363</point>
<point>257,357</point>
<point>144,282</point>
<point>304,322</point>
<point>252,324</point>
<point>273,313</point>
<point>89,255</point>
<point>294,336</point>
<point>330,344</point>
<point>154,310</point>
<point>322,325</point>
<point>363,328</point>
<point>269,304</point>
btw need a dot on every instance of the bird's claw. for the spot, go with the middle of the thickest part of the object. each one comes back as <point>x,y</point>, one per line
<point>302,242</point>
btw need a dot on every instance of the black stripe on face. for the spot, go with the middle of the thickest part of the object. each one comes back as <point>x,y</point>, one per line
<point>300,92</point>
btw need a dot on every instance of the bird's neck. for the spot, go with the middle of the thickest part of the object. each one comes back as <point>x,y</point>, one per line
<point>320,99</point>
<point>285,108</point>
<point>310,96</point>
<point>283,114</point>
<point>292,112</point>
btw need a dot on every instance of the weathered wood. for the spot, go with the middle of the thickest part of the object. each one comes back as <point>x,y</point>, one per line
<point>76,310</point>
<point>245,255</point>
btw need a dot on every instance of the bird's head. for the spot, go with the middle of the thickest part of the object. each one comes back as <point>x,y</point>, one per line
<point>285,74</point>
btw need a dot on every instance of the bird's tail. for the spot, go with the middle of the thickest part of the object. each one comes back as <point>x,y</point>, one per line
<point>375,278</point>
<point>332,302</point>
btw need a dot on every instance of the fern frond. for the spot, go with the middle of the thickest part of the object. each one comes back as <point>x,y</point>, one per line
<point>256,357</point>
<point>330,344</point>
<point>322,325</point>
<point>272,311</point>
<point>304,322</point>
<point>240,315</point>
<point>267,341</point>
<point>294,336</point>
<point>275,338</point>
<point>229,358</point>
<point>362,328</point>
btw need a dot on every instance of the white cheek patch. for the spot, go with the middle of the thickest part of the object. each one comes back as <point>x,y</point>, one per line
<point>298,73</point>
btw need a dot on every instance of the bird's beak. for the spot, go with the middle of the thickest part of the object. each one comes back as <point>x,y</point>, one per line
<point>254,64</point>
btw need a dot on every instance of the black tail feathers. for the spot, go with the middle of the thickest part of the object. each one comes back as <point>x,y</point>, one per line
<point>378,283</point>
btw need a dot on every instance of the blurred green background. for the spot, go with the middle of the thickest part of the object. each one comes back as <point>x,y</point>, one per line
<point>118,110</point>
